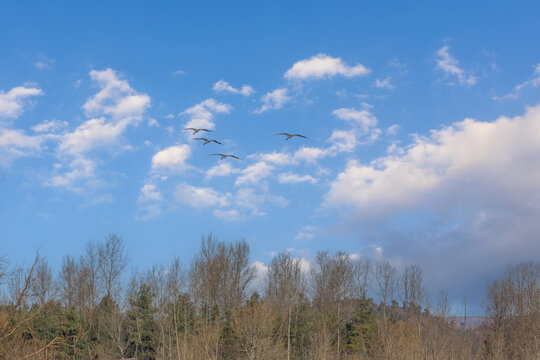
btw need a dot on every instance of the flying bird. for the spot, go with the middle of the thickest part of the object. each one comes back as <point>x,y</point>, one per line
<point>223,156</point>
<point>206,141</point>
<point>291,135</point>
<point>196,130</point>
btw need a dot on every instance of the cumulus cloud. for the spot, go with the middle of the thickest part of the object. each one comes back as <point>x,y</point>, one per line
<point>149,201</point>
<point>149,192</point>
<point>254,173</point>
<point>172,158</point>
<point>116,98</point>
<point>450,66</point>
<point>465,161</point>
<point>229,215</point>
<point>202,114</point>
<point>12,102</point>
<point>200,197</point>
<point>45,64</point>
<point>222,169</point>
<point>323,66</point>
<point>16,143</point>
<point>288,177</point>
<point>534,82</point>
<point>82,170</point>
<point>364,118</point>
<point>254,200</point>
<point>473,190</point>
<point>343,140</point>
<point>116,106</point>
<point>276,158</point>
<point>50,126</point>
<point>392,129</point>
<point>383,84</point>
<point>311,154</point>
<point>91,134</point>
<point>274,100</point>
<point>223,86</point>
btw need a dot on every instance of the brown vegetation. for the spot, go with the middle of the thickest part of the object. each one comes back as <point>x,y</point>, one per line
<point>204,311</point>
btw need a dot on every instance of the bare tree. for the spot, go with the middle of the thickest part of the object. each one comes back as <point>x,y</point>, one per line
<point>283,287</point>
<point>88,277</point>
<point>112,260</point>
<point>513,304</point>
<point>362,277</point>
<point>385,275</point>
<point>256,333</point>
<point>333,282</point>
<point>411,287</point>
<point>42,286</point>
<point>68,280</point>
<point>220,273</point>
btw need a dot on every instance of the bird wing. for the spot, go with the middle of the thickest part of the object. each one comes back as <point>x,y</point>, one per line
<point>204,130</point>
<point>302,136</point>
<point>199,139</point>
<point>218,154</point>
<point>236,157</point>
<point>283,134</point>
<point>217,142</point>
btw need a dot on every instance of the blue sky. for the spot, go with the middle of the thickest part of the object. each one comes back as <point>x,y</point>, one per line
<point>423,126</point>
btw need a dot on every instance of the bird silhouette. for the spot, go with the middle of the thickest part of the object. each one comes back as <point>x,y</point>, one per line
<point>196,130</point>
<point>291,135</point>
<point>206,141</point>
<point>223,156</point>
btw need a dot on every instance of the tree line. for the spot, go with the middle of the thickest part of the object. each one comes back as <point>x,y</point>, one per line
<point>207,309</point>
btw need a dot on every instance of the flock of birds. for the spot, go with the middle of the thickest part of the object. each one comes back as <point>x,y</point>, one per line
<point>224,156</point>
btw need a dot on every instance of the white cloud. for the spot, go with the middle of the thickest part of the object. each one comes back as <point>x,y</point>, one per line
<point>534,82</point>
<point>450,66</point>
<point>172,158</point>
<point>179,72</point>
<point>153,123</point>
<point>223,86</point>
<point>470,161</point>
<point>252,200</point>
<point>45,64</point>
<point>392,130</point>
<point>303,236</point>
<point>15,144</point>
<point>200,197</point>
<point>321,66</point>
<point>310,154</point>
<point>82,169</point>
<point>274,100</point>
<point>12,102</point>
<point>228,215</point>
<point>149,193</point>
<point>150,200</point>
<point>289,177</point>
<point>343,140</point>
<point>202,114</point>
<point>254,173</point>
<point>91,134</point>
<point>383,84</point>
<point>276,158</point>
<point>364,118</point>
<point>50,126</point>
<point>116,98</point>
<point>222,169</point>
<point>116,107</point>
